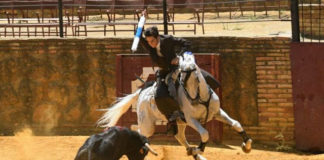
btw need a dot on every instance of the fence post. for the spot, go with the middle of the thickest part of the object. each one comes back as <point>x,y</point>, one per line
<point>165,17</point>
<point>295,21</point>
<point>60,17</point>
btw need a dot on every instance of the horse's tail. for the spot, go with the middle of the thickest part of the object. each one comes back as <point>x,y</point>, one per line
<point>112,115</point>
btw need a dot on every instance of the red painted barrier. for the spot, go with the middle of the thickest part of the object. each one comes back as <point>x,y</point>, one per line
<point>307,61</point>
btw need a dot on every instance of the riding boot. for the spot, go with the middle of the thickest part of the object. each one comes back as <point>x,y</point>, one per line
<point>172,128</point>
<point>177,114</point>
<point>171,88</point>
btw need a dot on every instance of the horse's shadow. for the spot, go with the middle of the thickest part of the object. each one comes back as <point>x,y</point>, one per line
<point>263,147</point>
<point>224,146</point>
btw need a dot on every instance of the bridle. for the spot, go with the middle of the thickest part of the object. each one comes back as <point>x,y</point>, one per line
<point>184,85</point>
<point>197,99</point>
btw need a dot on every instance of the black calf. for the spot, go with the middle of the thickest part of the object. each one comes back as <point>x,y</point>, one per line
<point>112,144</point>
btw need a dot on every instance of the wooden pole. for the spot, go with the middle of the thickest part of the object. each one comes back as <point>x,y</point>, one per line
<point>295,21</point>
<point>165,17</point>
<point>60,7</point>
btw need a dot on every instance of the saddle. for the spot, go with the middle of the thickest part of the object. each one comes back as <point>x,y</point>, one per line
<point>166,98</point>
<point>147,84</point>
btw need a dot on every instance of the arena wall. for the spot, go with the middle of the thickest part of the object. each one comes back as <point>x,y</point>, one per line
<point>55,86</point>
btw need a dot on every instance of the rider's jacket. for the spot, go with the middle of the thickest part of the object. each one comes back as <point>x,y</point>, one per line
<point>168,47</point>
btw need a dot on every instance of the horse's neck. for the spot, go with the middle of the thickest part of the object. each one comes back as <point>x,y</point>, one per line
<point>203,87</point>
<point>192,87</point>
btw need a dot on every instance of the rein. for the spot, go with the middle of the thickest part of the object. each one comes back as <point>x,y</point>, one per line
<point>184,84</point>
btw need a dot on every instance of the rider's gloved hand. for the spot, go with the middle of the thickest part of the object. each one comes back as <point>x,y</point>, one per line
<point>144,13</point>
<point>175,61</point>
<point>158,77</point>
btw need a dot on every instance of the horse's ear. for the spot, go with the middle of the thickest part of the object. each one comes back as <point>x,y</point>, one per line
<point>180,60</point>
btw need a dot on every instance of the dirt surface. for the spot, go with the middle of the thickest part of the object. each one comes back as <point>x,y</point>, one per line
<point>25,146</point>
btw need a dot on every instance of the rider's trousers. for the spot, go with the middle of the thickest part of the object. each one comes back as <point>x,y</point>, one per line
<point>166,103</point>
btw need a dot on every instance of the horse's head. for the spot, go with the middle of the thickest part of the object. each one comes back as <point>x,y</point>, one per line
<point>188,68</point>
<point>187,62</point>
<point>192,81</point>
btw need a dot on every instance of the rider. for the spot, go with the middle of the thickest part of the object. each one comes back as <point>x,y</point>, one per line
<point>162,49</point>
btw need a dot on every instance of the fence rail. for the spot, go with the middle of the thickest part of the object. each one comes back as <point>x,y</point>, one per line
<point>311,24</point>
<point>40,17</point>
<point>308,21</point>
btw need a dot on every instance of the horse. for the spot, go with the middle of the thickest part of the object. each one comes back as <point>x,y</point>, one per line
<point>192,83</point>
<point>147,113</point>
<point>201,104</point>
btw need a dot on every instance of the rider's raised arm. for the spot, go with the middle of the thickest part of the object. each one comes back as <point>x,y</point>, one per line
<point>144,43</point>
<point>149,49</point>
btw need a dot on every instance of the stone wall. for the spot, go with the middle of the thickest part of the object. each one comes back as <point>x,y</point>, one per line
<point>270,57</point>
<point>56,86</point>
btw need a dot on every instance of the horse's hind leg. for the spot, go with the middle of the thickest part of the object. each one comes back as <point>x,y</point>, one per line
<point>146,127</point>
<point>247,141</point>
<point>144,120</point>
<point>223,117</point>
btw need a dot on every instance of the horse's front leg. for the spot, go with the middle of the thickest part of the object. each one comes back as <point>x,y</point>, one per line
<point>180,136</point>
<point>193,123</point>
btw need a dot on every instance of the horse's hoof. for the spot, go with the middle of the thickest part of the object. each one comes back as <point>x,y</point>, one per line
<point>202,146</point>
<point>192,151</point>
<point>247,146</point>
<point>199,157</point>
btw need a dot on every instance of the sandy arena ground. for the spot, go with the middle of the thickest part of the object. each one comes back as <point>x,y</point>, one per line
<point>24,146</point>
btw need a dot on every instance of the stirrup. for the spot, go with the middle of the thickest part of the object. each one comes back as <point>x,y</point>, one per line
<point>177,114</point>
<point>172,128</point>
